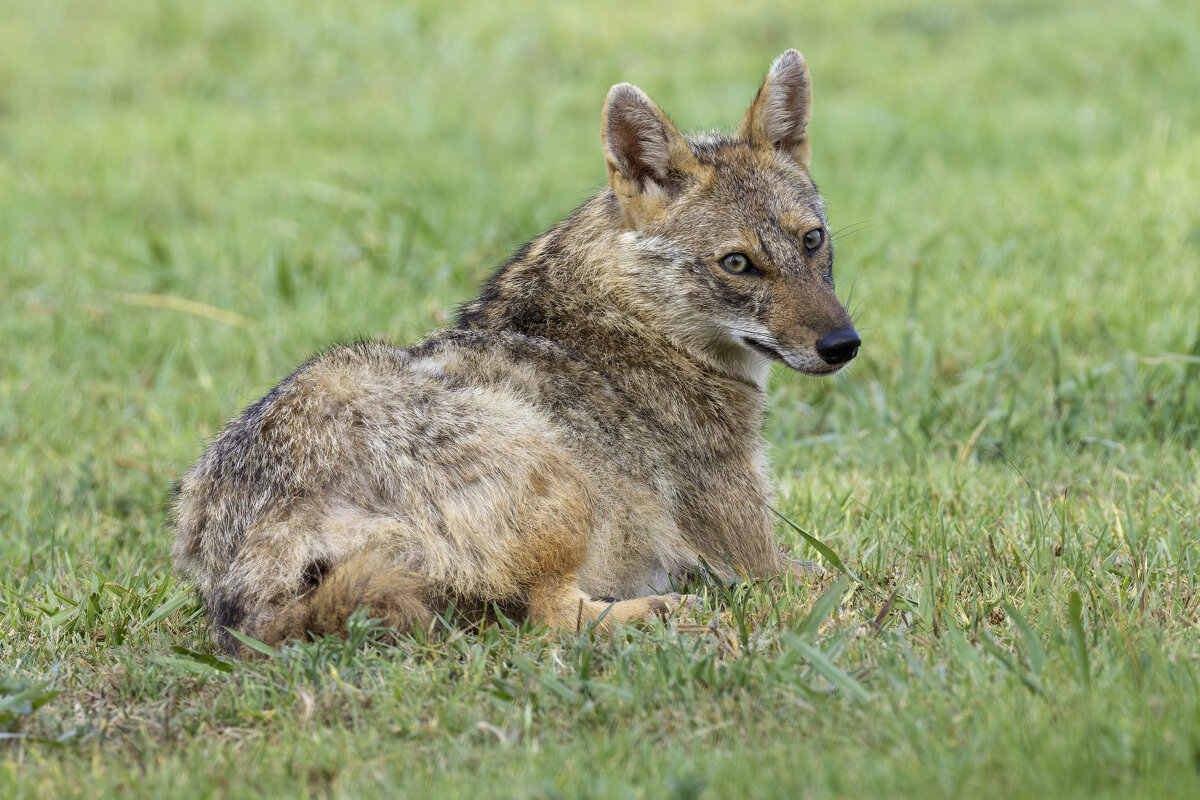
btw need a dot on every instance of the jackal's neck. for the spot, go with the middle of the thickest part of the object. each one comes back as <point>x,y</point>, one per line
<point>595,288</point>
<point>546,289</point>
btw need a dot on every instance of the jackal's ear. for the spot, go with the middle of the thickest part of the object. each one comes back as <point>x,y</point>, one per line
<point>779,115</point>
<point>647,155</point>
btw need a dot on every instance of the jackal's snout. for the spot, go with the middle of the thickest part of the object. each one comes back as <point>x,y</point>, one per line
<point>839,347</point>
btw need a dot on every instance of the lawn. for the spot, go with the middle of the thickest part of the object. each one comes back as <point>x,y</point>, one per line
<point>196,196</point>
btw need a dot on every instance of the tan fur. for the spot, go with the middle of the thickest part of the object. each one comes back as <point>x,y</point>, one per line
<point>588,431</point>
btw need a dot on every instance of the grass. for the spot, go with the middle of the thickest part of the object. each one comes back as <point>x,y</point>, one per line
<point>193,197</point>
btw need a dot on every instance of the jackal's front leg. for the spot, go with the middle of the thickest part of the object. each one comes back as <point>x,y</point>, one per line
<point>567,607</point>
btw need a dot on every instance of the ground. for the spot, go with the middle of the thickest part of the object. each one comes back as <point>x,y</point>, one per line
<point>194,197</point>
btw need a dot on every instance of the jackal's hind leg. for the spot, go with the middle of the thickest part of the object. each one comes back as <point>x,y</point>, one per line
<point>397,597</point>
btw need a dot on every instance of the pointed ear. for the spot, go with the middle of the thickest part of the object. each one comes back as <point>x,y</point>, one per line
<point>647,156</point>
<point>779,115</point>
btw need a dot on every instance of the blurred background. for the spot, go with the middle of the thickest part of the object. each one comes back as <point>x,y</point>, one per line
<point>196,196</point>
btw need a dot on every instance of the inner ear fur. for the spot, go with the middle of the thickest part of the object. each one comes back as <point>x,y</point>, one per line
<point>646,155</point>
<point>779,115</point>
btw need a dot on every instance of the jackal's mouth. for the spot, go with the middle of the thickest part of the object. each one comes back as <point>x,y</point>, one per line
<point>755,344</point>
<point>800,364</point>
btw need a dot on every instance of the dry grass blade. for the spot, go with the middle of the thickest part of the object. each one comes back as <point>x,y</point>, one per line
<point>184,306</point>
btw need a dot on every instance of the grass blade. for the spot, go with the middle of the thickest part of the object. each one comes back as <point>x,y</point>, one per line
<point>207,659</point>
<point>830,671</point>
<point>826,552</point>
<point>19,699</point>
<point>254,644</point>
<point>1009,663</point>
<point>543,678</point>
<point>1075,620</point>
<point>821,610</point>
<point>1037,654</point>
<point>166,609</point>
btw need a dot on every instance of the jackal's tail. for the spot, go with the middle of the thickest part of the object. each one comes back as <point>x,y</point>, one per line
<point>399,598</point>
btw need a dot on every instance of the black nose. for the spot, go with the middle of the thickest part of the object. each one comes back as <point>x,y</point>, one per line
<point>838,347</point>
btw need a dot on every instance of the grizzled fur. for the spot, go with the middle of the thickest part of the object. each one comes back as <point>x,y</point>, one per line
<point>589,430</point>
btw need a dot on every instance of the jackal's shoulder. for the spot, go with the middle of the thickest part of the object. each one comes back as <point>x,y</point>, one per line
<point>457,356</point>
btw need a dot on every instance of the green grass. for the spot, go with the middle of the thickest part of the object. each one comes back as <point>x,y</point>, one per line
<point>193,197</point>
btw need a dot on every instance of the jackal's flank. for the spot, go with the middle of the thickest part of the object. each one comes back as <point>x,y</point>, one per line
<point>588,430</point>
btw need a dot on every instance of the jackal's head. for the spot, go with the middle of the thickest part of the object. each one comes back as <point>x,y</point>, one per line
<point>730,230</point>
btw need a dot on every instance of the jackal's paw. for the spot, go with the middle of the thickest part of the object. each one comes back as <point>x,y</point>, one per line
<point>808,571</point>
<point>665,605</point>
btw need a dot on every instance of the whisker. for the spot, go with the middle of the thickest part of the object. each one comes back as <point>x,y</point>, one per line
<point>850,296</point>
<point>853,227</point>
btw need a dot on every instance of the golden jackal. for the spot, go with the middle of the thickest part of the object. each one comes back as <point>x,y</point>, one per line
<point>588,430</point>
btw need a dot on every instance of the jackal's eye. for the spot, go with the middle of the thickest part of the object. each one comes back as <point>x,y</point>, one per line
<point>737,263</point>
<point>813,239</point>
